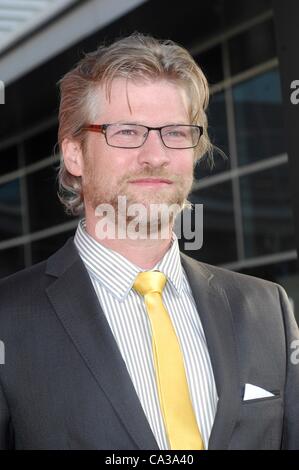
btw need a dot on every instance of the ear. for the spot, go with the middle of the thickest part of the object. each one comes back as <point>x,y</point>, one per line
<point>72,156</point>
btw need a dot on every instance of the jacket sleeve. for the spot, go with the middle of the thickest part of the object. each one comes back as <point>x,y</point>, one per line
<point>291,409</point>
<point>6,435</point>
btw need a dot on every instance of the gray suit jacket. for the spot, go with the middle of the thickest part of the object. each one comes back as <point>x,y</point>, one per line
<point>64,384</point>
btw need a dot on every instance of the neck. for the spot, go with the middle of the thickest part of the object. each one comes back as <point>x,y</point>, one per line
<point>145,253</point>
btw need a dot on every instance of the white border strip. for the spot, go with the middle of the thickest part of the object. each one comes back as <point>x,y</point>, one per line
<point>81,21</point>
<point>27,21</point>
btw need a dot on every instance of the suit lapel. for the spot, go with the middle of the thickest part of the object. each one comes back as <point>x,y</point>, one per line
<point>216,317</point>
<point>77,307</point>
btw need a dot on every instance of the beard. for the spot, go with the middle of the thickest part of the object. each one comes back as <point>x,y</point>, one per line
<point>165,203</point>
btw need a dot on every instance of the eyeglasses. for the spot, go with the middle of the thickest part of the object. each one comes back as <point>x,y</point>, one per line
<point>129,136</point>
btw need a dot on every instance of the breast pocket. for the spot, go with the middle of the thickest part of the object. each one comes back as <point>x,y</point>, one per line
<point>260,424</point>
<point>276,395</point>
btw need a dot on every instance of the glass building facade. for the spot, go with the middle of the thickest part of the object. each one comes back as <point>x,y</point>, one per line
<point>247,217</point>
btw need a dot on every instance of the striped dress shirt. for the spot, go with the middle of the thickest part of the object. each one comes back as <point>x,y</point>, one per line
<point>112,277</point>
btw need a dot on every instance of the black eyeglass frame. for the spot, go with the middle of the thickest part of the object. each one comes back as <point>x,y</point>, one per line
<point>102,128</point>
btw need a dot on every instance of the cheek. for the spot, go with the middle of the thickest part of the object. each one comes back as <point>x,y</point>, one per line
<point>99,164</point>
<point>121,164</point>
<point>185,164</point>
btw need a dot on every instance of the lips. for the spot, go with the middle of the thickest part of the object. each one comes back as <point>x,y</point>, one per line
<point>151,181</point>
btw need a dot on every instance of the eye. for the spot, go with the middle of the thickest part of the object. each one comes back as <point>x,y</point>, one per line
<point>175,133</point>
<point>127,131</point>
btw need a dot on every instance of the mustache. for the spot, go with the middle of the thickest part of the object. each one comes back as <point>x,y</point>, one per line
<point>152,173</point>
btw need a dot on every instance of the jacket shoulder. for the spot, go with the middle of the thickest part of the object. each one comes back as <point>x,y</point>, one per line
<point>228,279</point>
<point>19,285</point>
<point>26,286</point>
<point>58,261</point>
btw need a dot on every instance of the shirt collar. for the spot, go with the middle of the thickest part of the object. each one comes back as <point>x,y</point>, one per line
<point>115,272</point>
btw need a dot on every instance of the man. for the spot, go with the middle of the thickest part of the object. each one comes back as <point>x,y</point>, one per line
<point>94,359</point>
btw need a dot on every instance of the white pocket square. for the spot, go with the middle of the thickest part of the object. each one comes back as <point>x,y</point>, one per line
<point>252,392</point>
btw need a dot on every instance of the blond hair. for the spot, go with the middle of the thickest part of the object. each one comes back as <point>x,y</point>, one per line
<point>136,57</point>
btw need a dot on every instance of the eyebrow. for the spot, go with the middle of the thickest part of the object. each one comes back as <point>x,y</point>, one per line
<point>143,124</point>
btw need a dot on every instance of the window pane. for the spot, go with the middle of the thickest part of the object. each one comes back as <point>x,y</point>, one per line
<point>211,63</point>
<point>44,207</point>
<point>219,238</point>
<point>235,12</point>
<point>267,214</point>
<point>40,146</point>
<point>218,135</point>
<point>11,260</point>
<point>258,118</point>
<point>42,249</point>
<point>252,47</point>
<point>10,210</point>
<point>8,160</point>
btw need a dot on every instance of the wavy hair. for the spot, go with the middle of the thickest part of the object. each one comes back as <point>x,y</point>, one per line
<point>136,57</point>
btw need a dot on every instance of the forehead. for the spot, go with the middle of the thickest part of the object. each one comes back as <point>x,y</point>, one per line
<point>158,100</point>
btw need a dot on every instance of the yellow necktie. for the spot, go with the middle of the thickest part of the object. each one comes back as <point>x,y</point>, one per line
<point>177,411</point>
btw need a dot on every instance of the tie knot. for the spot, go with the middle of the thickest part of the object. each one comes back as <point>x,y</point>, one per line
<point>149,281</point>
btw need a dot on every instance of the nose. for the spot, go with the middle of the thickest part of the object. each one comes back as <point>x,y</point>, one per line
<point>153,152</point>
